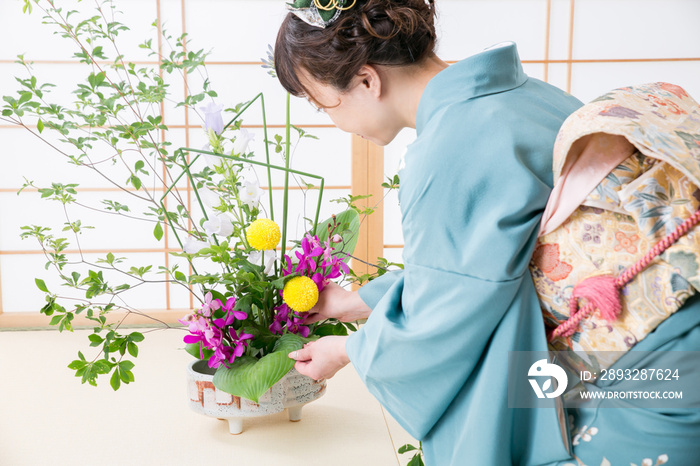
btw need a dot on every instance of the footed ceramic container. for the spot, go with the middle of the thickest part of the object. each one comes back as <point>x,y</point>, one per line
<point>292,392</point>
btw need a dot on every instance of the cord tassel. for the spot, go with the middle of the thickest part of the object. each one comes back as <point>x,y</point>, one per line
<point>603,291</point>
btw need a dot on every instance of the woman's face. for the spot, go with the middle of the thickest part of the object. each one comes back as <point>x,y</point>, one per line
<point>360,110</point>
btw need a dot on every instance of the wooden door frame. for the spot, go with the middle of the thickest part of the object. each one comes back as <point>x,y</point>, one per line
<point>367,178</point>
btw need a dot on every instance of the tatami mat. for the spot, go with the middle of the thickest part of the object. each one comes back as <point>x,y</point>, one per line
<point>48,418</point>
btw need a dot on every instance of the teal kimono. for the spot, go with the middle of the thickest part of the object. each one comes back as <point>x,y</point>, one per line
<point>434,351</point>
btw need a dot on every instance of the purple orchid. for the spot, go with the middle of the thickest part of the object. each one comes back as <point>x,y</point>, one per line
<point>335,267</point>
<point>311,248</point>
<point>213,337</point>
<point>210,338</point>
<point>319,280</point>
<point>210,305</point>
<point>194,338</point>
<point>239,342</point>
<point>289,267</point>
<point>281,313</point>
<point>294,325</point>
<point>327,252</point>
<point>230,314</point>
<point>276,326</point>
<point>220,354</point>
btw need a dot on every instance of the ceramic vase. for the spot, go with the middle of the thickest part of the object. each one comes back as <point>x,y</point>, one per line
<point>292,392</point>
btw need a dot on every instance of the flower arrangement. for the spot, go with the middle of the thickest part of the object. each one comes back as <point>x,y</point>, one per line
<point>247,327</point>
<point>252,299</point>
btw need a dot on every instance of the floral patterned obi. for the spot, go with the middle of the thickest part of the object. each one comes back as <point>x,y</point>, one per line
<point>637,204</point>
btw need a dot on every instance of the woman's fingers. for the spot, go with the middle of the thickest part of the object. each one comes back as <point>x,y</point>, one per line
<point>303,354</point>
<point>303,360</point>
<point>312,318</point>
<point>322,358</point>
<point>302,367</point>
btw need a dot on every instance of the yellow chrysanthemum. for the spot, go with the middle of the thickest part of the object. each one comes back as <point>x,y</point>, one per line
<point>300,293</point>
<point>263,234</point>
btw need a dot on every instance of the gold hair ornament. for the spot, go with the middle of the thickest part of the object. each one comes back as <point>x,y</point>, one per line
<point>334,4</point>
<point>316,13</point>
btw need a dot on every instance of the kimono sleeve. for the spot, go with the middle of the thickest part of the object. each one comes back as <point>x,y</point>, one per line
<point>374,291</point>
<point>424,339</point>
<point>465,283</point>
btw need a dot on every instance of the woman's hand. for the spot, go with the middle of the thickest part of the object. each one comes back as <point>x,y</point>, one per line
<point>335,302</point>
<point>322,358</point>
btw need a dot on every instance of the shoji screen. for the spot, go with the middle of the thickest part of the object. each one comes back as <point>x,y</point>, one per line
<point>583,46</point>
<point>238,33</point>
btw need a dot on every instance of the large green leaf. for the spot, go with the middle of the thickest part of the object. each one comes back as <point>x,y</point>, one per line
<point>196,350</point>
<point>349,228</point>
<point>250,378</point>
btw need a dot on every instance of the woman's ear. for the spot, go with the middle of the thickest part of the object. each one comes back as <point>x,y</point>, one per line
<point>370,80</point>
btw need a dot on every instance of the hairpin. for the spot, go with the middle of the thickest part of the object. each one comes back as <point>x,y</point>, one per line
<point>319,13</point>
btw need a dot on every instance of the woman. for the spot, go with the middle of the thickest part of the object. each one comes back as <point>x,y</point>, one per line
<point>434,350</point>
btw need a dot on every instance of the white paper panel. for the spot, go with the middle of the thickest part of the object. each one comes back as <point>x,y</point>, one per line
<point>467,27</point>
<point>560,17</point>
<point>27,35</point>
<point>19,272</point>
<point>636,29</point>
<point>590,80</point>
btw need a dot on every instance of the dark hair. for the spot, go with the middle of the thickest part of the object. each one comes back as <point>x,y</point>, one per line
<point>372,32</point>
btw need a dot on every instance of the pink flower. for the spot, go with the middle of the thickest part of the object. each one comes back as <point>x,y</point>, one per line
<point>319,280</point>
<point>294,326</point>
<point>239,342</point>
<point>230,314</point>
<point>288,269</point>
<point>210,306</point>
<point>311,248</point>
<point>281,313</point>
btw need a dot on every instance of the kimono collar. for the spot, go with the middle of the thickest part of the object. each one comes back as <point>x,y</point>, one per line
<point>494,70</point>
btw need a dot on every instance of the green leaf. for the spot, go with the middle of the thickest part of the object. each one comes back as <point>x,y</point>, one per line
<point>158,231</point>
<point>324,330</point>
<point>405,448</point>
<point>126,376</point>
<point>330,329</point>
<point>193,349</point>
<point>126,365</point>
<point>41,285</point>
<point>95,339</point>
<point>250,378</point>
<point>24,97</point>
<point>55,320</point>
<point>115,381</point>
<point>416,461</point>
<point>77,364</point>
<point>348,224</point>
<point>40,125</point>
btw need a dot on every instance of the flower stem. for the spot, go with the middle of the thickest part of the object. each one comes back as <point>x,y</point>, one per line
<point>286,178</point>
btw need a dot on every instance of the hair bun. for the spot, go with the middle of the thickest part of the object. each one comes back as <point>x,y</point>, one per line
<point>374,32</point>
